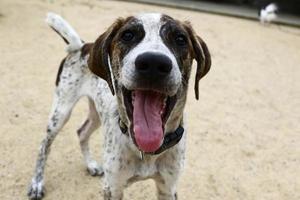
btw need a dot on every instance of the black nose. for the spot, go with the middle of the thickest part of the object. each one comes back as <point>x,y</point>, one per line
<point>153,65</point>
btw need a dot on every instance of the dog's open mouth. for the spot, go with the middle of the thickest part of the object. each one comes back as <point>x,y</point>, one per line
<point>148,112</point>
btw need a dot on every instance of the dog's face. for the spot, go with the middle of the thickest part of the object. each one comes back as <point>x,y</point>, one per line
<point>147,61</point>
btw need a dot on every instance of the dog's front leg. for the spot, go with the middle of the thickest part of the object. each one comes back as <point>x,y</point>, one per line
<point>113,186</point>
<point>61,110</point>
<point>118,169</point>
<point>166,187</point>
<point>113,193</point>
<point>169,170</point>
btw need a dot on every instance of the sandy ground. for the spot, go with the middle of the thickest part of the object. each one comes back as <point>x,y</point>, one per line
<point>244,133</point>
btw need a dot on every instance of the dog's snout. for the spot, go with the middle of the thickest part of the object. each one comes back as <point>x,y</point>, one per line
<point>153,65</point>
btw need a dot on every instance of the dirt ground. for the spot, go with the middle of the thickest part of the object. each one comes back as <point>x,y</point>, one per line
<point>244,133</point>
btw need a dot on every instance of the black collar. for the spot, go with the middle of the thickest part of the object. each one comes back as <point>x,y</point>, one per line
<point>170,139</point>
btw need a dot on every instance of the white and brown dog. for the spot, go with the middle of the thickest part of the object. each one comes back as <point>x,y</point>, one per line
<point>136,77</point>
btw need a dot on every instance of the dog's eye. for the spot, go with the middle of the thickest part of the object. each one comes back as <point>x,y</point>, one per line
<point>127,36</point>
<point>181,40</point>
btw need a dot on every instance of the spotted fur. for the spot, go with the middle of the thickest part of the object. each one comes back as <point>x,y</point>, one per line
<point>99,70</point>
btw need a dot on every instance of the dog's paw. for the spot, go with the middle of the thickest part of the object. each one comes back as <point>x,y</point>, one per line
<point>36,190</point>
<point>94,169</point>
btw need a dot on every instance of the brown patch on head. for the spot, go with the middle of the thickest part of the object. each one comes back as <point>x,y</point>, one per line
<point>176,38</point>
<point>181,39</point>
<point>128,37</point>
<point>112,44</point>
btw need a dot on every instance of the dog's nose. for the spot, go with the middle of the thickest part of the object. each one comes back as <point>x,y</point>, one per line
<point>153,65</point>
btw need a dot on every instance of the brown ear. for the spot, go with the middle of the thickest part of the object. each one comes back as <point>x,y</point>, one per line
<point>203,59</point>
<point>99,58</point>
<point>201,55</point>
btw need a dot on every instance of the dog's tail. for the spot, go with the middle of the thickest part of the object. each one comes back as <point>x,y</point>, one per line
<point>65,30</point>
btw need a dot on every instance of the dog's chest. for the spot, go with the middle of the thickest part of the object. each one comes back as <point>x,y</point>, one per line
<point>146,167</point>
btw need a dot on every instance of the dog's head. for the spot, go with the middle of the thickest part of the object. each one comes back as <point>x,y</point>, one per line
<point>146,61</point>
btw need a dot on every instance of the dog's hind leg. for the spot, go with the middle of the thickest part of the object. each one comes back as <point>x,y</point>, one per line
<point>84,132</point>
<point>61,110</point>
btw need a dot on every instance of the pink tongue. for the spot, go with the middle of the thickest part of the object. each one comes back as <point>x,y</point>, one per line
<point>147,122</point>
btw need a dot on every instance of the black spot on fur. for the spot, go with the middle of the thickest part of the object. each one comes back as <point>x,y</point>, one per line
<point>48,130</point>
<point>59,71</point>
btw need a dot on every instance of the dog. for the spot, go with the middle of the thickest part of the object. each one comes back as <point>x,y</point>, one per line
<point>136,77</point>
<point>268,13</point>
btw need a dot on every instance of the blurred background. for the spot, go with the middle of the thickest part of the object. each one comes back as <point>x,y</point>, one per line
<point>243,139</point>
<point>286,12</point>
<point>286,6</point>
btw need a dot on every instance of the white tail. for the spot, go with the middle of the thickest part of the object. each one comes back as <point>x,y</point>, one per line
<point>65,30</point>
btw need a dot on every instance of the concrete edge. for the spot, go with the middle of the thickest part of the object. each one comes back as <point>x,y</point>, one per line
<point>209,11</point>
